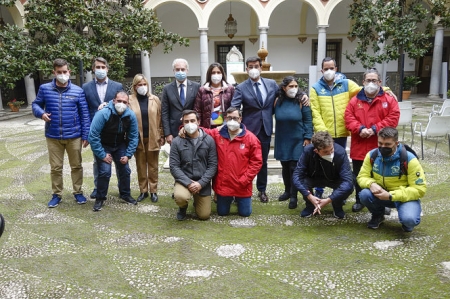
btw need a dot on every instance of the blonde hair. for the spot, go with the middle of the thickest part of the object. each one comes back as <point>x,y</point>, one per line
<point>136,80</point>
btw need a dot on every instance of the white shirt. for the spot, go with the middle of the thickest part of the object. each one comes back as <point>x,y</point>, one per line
<point>262,88</point>
<point>101,89</point>
<point>184,87</point>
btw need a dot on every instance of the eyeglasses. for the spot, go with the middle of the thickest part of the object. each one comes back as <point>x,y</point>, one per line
<point>372,80</point>
<point>230,118</point>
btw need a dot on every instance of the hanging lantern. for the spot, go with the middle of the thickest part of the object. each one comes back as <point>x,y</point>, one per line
<point>230,25</point>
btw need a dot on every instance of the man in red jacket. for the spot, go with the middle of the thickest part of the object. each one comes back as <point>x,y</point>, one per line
<point>239,160</point>
<point>366,114</point>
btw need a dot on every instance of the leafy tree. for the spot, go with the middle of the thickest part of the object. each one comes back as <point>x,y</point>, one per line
<point>405,27</point>
<point>81,30</point>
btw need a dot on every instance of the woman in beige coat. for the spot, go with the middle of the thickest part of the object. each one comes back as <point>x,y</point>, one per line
<point>147,108</point>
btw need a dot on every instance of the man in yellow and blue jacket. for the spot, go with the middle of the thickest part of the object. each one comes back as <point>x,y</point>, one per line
<point>385,182</point>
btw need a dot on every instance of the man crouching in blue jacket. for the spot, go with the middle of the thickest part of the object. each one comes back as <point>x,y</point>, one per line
<point>114,137</point>
<point>323,164</point>
<point>62,105</point>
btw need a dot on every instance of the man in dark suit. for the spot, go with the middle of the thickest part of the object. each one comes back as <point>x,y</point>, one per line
<point>176,97</point>
<point>98,93</point>
<point>257,95</point>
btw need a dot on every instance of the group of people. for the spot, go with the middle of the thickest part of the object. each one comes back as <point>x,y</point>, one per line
<point>220,139</point>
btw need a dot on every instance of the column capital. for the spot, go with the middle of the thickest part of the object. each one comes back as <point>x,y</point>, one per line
<point>263,28</point>
<point>203,30</point>
<point>323,26</point>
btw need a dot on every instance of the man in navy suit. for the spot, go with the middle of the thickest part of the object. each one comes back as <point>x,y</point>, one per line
<point>98,93</point>
<point>177,96</point>
<point>257,95</point>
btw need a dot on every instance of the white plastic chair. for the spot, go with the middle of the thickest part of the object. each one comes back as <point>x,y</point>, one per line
<point>438,109</point>
<point>446,111</point>
<point>406,117</point>
<point>438,126</point>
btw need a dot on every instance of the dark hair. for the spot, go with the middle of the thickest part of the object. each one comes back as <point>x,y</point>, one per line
<point>100,59</point>
<point>282,94</point>
<point>326,59</point>
<point>209,72</point>
<point>253,59</point>
<point>371,71</point>
<point>232,109</point>
<point>321,140</point>
<point>186,112</point>
<point>388,132</point>
<point>59,62</point>
<point>121,92</point>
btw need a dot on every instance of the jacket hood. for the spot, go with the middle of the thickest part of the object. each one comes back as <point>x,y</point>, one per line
<point>224,131</point>
<point>337,80</point>
<point>208,87</point>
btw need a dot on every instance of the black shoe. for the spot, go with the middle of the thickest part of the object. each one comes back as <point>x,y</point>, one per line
<point>307,212</point>
<point>284,196</point>
<point>173,195</point>
<point>357,207</point>
<point>263,197</point>
<point>387,211</point>
<point>129,200</point>
<point>154,197</point>
<point>293,203</point>
<point>142,196</point>
<point>93,194</point>
<point>375,222</point>
<point>181,214</point>
<point>2,224</point>
<point>98,204</point>
<point>339,213</point>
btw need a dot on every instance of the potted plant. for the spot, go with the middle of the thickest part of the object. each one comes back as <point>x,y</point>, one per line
<point>408,83</point>
<point>14,105</point>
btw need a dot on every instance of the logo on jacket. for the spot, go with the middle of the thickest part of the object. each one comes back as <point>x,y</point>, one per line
<point>323,91</point>
<point>242,146</point>
<point>395,170</point>
<point>385,104</point>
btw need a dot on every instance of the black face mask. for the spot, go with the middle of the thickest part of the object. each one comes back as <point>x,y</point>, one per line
<point>386,151</point>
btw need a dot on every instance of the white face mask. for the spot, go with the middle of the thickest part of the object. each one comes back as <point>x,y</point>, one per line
<point>190,128</point>
<point>371,88</point>
<point>329,157</point>
<point>329,75</point>
<point>100,74</point>
<point>62,78</point>
<point>292,92</point>
<point>233,125</point>
<point>216,78</point>
<point>120,107</point>
<point>254,73</point>
<point>142,90</point>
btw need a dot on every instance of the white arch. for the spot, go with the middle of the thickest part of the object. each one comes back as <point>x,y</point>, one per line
<point>191,4</point>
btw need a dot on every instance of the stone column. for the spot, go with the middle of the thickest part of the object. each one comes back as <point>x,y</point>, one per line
<point>322,45</point>
<point>437,62</point>
<point>1,102</point>
<point>204,63</point>
<point>263,37</point>
<point>145,65</point>
<point>30,90</point>
<point>88,77</point>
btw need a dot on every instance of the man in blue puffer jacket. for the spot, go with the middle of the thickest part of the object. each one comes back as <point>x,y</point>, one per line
<point>62,105</point>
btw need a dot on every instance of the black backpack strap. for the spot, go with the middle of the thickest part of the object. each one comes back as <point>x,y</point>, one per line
<point>403,161</point>
<point>373,156</point>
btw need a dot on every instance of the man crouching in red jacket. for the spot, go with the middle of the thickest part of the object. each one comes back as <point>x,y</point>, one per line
<point>239,160</point>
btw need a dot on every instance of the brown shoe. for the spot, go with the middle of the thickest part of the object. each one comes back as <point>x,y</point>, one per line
<point>263,197</point>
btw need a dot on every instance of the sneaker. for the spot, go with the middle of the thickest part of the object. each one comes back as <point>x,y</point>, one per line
<point>80,199</point>
<point>407,229</point>
<point>307,212</point>
<point>357,207</point>
<point>129,199</point>
<point>375,222</point>
<point>339,213</point>
<point>181,214</point>
<point>293,203</point>
<point>98,205</point>
<point>54,202</point>
<point>284,196</point>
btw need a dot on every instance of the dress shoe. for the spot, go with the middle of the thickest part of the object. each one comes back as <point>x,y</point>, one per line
<point>93,194</point>
<point>154,197</point>
<point>98,205</point>
<point>284,196</point>
<point>181,214</point>
<point>293,203</point>
<point>357,207</point>
<point>142,196</point>
<point>263,197</point>
<point>129,200</point>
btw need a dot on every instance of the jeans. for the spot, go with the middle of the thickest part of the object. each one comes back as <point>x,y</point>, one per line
<point>224,204</point>
<point>408,212</point>
<point>104,172</point>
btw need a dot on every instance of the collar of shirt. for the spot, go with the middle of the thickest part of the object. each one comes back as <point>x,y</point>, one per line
<point>184,82</point>
<point>101,83</point>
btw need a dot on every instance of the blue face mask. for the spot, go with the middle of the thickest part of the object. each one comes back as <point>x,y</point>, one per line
<point>180,76</point>
<point>100,74</point>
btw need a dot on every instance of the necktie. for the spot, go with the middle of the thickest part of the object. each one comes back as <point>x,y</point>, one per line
<point>182,97</point>
<point>258,94</point>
